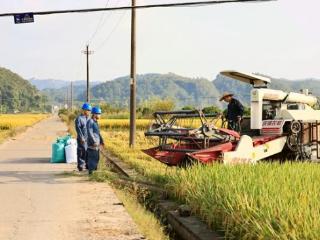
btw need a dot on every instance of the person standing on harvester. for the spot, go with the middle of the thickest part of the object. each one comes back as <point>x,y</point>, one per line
<point>94,140</point>
<point>234,112</point>
<point>82,136</point>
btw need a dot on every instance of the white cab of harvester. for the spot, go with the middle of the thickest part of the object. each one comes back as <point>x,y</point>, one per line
<point>283,105</point>
<point>289,116</point>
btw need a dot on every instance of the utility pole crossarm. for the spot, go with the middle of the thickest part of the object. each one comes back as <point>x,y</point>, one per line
<point>71,96</point>
<point>87,52</point>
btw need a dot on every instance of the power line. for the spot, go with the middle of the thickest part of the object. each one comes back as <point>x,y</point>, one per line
<point>112,31</point>
<point>167,5</point>
<point>109,16</point>
<point>101,20</point>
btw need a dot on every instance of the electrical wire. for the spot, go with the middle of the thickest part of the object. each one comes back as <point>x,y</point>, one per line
<point>109,16</point>
<point>100,22</point>
<point>112,31</point>
<point>167,5</point>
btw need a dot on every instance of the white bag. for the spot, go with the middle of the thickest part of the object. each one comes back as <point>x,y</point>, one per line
<point>71,153</point>
<point>72,141</point>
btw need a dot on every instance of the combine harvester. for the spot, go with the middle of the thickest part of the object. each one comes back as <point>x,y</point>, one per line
<point>283,126</point>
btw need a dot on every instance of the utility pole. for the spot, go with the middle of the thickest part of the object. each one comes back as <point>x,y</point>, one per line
<point>88,52</point>
<point>133,77</point>
<point>67,98</point>
<point>43,104</point>
<point>71,95</point>
<point>1,103</point>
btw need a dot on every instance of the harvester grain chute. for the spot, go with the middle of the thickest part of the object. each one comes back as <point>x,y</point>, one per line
<point>282,126</point>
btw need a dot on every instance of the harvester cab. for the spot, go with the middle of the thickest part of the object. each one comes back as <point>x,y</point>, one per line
<point>282,125</point>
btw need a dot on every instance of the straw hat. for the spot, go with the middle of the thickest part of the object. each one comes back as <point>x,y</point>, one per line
<point>226,94</point>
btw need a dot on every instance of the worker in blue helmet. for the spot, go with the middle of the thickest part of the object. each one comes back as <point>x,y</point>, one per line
<point>95,141</point>
<point>82,136</point>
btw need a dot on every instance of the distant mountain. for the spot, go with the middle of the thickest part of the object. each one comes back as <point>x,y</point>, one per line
<point>239,89</point>
<point>42,84</point>
<point>57,90</point>
<point>48,83</point>
<point>197,92</point>
<point>296,85</point>
<point>58,96</point>
<point>17,94</point>
<point>184,91</point>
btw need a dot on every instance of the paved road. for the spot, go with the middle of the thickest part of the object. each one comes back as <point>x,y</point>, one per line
<point>38,202</point>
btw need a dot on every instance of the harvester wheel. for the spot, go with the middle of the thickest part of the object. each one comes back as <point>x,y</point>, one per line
<point>293,142</point>
<point>295,127</point>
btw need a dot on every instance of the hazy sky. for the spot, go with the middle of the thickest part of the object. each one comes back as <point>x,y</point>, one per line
<point>281,39</point>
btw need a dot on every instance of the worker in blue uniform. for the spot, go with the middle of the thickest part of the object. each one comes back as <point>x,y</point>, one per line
<point>95,141</point>
<point>234,112</point>
<point>82,136</point>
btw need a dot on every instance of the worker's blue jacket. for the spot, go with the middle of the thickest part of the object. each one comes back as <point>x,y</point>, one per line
<point>81,129</point>
<point>94,136</point>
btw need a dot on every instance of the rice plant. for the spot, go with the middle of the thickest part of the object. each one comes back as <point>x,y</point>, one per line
<point>10,121</point>
<point>263,201</point>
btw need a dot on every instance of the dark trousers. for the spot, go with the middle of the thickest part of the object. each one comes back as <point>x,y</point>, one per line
<point>93,159</point>
<point>82,161</point>
<point>234,125</point>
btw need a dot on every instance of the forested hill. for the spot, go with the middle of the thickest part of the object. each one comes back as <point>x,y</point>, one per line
<point>58,95</point>
<point>184,91</point>
<point>197,92</point>
<point>17,94</point>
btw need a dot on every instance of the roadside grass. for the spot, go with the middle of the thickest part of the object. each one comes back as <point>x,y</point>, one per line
<point>147,223</point>
<point>116,142</point>
<point>153,229</point>
<point>4,134</point>
<point>74,173</point>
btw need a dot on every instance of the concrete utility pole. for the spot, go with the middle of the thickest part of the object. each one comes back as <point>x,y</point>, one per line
<point>71,95</point>
<point>87,52</point>
<point>1,103</point>
<point>67,98</point>
<point>133,77</point>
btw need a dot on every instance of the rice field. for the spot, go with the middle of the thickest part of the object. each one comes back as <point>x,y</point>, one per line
<point>9,123</point>
<point>118,124</point>
<point>263,201</point>
<point>143,124</point>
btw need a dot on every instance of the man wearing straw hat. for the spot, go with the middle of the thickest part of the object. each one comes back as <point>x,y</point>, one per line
<point>234,111</point>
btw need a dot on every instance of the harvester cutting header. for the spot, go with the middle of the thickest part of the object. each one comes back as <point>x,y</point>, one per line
<point>282,125</point>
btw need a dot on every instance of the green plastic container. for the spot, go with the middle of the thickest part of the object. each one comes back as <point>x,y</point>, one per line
<point>58,154</point>
<point>64,139</point>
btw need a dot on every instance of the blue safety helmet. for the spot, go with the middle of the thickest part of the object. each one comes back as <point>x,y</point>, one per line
<point>96,110</point>
<point>87,107</point>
